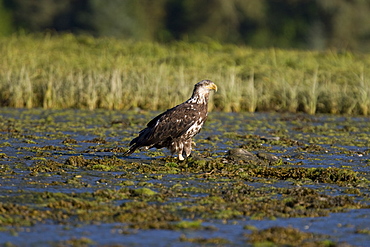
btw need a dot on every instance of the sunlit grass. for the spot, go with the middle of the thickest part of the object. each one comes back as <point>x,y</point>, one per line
<point>84,72</point>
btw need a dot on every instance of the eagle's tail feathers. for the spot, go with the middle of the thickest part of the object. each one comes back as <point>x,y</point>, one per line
<point>130,150</point>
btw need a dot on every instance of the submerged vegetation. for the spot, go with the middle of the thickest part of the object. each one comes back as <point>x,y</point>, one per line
<point>64,169</point>
<point>69,71</point>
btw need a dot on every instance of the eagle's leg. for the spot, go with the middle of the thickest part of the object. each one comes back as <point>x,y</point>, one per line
<point>177,147</point>
<point>180,150</point>
<point>187,147</point>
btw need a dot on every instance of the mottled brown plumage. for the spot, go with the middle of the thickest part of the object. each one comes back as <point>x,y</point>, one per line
<point>175,128</point>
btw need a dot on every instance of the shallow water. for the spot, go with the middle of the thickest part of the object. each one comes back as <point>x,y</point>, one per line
<point>32,139</point>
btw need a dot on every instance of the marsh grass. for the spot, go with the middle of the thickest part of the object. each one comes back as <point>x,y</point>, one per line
<point>83,72</point>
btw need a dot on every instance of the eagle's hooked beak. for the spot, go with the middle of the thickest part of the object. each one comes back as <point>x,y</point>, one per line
<point>212,86</point>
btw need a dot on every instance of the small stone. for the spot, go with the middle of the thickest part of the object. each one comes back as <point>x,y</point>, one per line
<point>267,156</point>
<point>240,154</point>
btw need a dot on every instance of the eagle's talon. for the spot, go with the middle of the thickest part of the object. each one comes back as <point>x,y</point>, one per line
<point>181,158</point>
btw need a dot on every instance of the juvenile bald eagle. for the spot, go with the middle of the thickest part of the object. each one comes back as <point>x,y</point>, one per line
<point>175,128</point>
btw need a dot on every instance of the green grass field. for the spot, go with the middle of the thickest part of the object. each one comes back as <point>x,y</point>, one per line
<point>83,72</point>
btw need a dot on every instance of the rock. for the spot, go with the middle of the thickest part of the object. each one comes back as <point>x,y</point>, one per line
<point>271,159</point>
<point>267,156</point>
<point>241,154</point>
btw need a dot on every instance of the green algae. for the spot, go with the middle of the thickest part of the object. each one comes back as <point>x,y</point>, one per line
<point>287,236</point>
<point>12,214</point>
<point>205,241</point>
<point>137,213</point>
<point>363,231</point>
<point>194,224</point>
<point>321,175</point>
<point>144,192</point>
<point>82,241</point>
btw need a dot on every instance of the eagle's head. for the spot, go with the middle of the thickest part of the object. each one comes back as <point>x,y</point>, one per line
<point>201,92</point>
<point>205,85</point>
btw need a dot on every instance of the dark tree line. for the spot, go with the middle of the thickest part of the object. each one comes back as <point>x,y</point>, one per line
<point>307,24</point>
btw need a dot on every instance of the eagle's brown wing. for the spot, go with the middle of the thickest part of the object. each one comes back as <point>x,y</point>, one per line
<point>169,125</point>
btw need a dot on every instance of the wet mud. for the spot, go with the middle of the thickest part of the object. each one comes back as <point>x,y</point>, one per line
<point>262,179</point>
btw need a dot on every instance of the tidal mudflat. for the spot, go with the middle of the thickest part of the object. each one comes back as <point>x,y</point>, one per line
<point>262,179</point>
